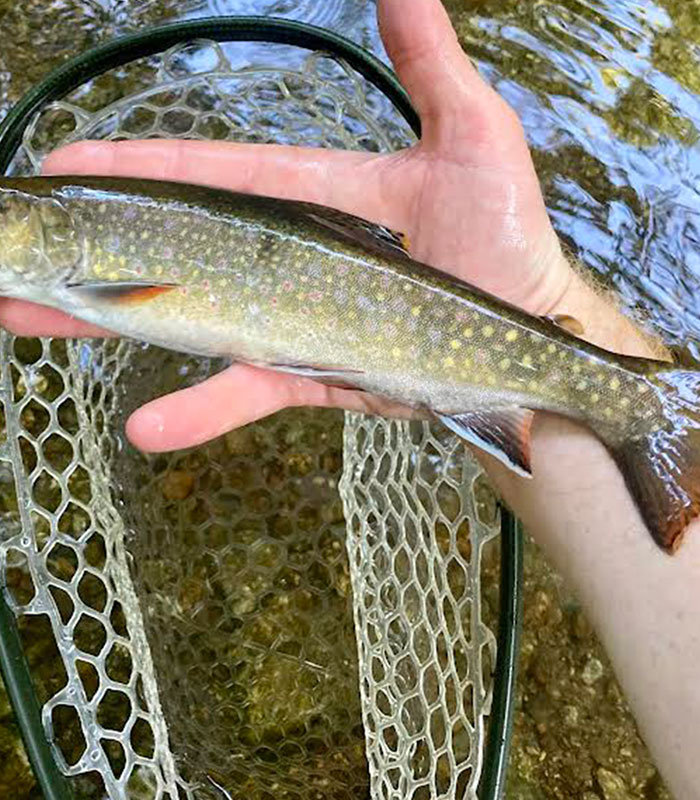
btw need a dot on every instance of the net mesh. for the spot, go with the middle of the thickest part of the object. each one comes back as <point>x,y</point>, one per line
<point>194,620</point>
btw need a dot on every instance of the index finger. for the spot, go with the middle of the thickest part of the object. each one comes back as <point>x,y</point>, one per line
<point>29,319</point>
<point>357,183</point>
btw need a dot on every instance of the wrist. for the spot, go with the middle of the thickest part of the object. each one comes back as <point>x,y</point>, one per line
<point>603,322</point>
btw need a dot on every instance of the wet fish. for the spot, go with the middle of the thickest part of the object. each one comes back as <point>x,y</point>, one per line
<point>312,291</point>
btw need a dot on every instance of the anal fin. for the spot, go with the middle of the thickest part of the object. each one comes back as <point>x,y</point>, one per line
<point>503,433</point>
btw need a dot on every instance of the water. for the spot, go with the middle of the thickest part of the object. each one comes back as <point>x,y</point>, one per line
<point>607,92</point>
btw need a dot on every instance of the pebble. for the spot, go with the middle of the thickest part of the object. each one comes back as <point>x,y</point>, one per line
<point>592,672</point>
<point>178,484</point>
<point>612,785</point>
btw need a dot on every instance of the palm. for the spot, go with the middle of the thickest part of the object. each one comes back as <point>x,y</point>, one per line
<point>466,196</point>
<point>484,222</point>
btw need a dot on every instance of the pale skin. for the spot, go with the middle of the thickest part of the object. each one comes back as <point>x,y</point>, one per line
<point>468,198</point>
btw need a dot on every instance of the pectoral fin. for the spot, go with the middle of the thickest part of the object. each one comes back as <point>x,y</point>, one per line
<point>503,433</point>
<point>122,293</point>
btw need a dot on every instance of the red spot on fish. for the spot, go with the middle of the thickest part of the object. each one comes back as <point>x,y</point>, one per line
<point>288,286</point>
<point>273,301</point>
<point>316,297</point>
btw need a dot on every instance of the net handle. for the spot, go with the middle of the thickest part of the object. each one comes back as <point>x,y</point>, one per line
<point>120,51</point>
<point>152,41</point>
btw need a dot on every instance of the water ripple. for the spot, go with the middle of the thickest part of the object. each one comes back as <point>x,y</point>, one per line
<point>609,94</point>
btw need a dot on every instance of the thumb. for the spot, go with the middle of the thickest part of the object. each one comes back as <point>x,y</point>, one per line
<point>451,97</point>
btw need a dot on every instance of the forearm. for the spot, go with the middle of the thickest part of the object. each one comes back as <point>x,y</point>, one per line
<point>644,603</point>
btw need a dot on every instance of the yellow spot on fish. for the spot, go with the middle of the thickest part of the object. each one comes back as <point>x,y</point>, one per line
<point>122,261</point>
<point>641,388</point>
<point>380,298</point>
<point>102,208</point>
<point>527,360</point>
<point>625,402</point>
<point>467,362</point>
<point>504,363</point>
<point>608,412</point>
<point>112,276</point>
<point>551,348</point>
<point>614,384</point>
<point>511,336</point>
<point>415,311</point>
<point>487,330</point>
<point>581,386</point>
<point>145,235</point>
<point>595,397</point>
<point>468,333</point>
<point>448,362</point>
<point>455,345</point>
<point>533,386</point>
<point>576,367</point>
<point>491,380</point>
<point>396,352</point>
<point>543,356</point>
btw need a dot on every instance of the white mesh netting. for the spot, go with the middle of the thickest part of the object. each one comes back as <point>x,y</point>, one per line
<point>194,621</point>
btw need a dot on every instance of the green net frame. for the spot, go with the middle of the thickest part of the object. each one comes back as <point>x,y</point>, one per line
<point>56,86</point>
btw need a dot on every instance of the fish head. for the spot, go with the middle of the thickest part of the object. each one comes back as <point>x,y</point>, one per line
<point>40,245</point>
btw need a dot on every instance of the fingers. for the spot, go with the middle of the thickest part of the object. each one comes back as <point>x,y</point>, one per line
<point>452,99</point>
<point>29,319</point>
<point>235,397</point>
<point>349,181</point>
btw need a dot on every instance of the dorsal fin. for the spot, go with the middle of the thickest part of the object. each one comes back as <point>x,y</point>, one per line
<point>368,234</point>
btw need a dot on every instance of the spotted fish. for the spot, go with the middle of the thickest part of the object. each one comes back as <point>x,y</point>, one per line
<point>305,289</point>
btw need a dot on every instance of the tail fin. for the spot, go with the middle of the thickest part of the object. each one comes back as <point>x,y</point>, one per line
<point>662,469</point>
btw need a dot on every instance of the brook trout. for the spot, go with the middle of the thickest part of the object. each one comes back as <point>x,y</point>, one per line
<point>308,290</point>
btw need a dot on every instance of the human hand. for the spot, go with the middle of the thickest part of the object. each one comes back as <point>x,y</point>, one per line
<point>466,196</point>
